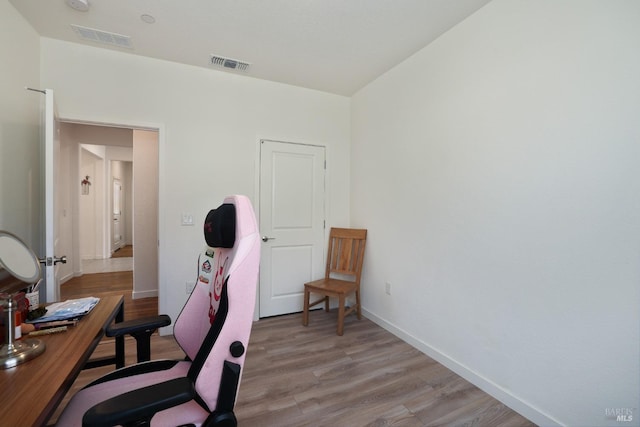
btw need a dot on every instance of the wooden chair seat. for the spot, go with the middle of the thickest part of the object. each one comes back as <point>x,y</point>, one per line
<point>345,256</point>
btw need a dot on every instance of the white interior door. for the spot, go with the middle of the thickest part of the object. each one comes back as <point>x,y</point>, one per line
<point>292,222</point>
<point>117,240</point>
<point>51,159</point>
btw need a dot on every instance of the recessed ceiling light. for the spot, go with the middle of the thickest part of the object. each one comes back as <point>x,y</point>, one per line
<point>148,18</point>
<point>81,5</point>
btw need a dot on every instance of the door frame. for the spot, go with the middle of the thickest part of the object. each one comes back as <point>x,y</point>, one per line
<point>256,205</point>
<point>51,162</point>
<point>162,185</point>
<point>117,201</point>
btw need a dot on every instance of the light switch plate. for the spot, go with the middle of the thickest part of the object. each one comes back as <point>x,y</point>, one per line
<point>187,219</point>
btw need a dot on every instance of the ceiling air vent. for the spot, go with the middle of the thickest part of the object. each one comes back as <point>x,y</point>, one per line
<point>228,63</point>
<point>100,36</point>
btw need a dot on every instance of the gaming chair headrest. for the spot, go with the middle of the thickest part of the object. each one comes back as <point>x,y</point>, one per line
<point>220,226</point>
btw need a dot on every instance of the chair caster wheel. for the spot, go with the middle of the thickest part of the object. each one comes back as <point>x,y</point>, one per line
<point>221,419</point>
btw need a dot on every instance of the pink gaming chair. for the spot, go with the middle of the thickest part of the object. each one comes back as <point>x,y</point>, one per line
<point>213,330</point>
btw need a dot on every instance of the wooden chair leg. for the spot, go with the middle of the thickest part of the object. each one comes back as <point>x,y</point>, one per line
<point>326,304</point>
<point>358,305</point>
<point>305,312</point>
<point>341,316</point>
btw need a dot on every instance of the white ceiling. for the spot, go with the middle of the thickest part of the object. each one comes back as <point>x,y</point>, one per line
<point>337,46</point>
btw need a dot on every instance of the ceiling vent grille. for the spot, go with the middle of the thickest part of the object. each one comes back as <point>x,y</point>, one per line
<point>104,37</point>
<point>228,63</point>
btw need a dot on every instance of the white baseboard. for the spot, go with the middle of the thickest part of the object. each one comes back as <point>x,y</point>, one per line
<point>486,385</point>
<point>144,294</point>
<point>63,279</point>
<point>167,330</point>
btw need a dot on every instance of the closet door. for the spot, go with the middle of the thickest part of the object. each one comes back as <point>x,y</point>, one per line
<point>292,223</point>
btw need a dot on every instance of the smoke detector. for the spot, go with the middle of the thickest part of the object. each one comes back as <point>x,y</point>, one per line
<point>81,5</point>
<point>228,63</point>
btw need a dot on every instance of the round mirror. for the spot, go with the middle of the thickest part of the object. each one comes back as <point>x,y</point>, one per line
<point>18,259</point>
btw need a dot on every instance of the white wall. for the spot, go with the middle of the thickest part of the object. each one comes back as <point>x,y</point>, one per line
<point>210,123</point>
<point>128,222</point>
<point>20,186</point>
<point>145,211</point>
<point>91,206</point>
<point>102,135</point>
<point>497,173</point>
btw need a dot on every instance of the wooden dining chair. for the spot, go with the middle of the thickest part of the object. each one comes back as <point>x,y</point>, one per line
<point>344,258</point>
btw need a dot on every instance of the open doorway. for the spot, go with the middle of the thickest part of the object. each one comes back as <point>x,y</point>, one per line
<point>106,208</point>
<point>113,214</point>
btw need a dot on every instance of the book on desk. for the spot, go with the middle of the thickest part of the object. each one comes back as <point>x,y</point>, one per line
<point>66,311</point>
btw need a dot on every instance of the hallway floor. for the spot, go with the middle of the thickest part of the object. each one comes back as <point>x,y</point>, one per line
<point>109,265</point>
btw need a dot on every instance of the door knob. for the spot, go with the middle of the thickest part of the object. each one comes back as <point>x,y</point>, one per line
<point>48,261</point>
<point>266,238</point>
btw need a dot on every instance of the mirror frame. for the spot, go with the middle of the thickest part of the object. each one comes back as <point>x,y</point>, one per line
<point>27,251</point>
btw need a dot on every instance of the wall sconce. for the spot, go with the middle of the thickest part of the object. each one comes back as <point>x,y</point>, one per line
<point>86,184</point>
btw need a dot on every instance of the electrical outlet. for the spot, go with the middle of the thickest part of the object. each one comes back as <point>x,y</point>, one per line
<point>189,287</point>
<point>387,288</point>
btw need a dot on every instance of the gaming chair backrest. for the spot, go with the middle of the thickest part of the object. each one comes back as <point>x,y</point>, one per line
<point>219,311</point>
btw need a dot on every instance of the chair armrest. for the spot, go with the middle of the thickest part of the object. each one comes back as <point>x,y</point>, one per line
<point>147,324</point>
<point>141,330</point>
<point>141,404</point>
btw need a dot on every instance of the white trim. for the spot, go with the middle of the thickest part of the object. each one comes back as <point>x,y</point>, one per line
<point>144,294</point>
<point>256,209</point>
<point>62,280</point>
<point>52,286</point>
<point>486,385</point>
<point>326,195</point>
<point>162,266</point>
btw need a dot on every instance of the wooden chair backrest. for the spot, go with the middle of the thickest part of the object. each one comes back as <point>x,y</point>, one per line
<point>346,252</point>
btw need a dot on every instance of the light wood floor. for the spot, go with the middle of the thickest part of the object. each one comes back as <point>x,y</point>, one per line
<point>115,283</point>
<point>297,376</point>
<point>123,252</point>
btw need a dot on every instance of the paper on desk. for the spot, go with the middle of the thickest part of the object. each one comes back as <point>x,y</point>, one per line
<point>69,309</point>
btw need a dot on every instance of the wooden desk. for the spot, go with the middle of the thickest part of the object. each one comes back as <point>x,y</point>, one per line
<point>30,392</point>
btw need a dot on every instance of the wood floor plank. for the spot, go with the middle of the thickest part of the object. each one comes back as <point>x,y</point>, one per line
<point>123,252</point>
<point>366,377</point>
<point>296,376</point>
